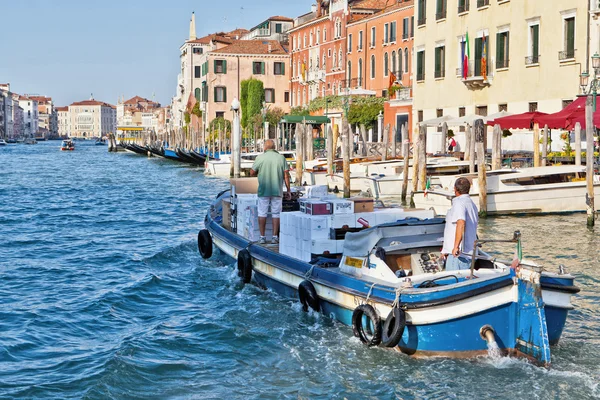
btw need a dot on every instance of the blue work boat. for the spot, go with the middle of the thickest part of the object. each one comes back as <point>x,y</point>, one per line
<point>391,287</point>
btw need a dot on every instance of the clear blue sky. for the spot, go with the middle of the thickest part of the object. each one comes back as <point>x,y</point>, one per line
<point>68,49</point>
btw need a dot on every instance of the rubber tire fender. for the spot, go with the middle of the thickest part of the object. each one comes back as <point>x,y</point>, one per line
<point>205,244</point>
<point>358,329</point>
<point>244,264</point>
<point>393,328</point>
<point>308,296</point>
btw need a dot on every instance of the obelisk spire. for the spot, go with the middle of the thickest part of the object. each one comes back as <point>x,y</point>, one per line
<point>193,27</point>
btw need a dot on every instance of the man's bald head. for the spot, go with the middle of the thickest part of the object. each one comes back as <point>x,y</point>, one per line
<point>269,144</point>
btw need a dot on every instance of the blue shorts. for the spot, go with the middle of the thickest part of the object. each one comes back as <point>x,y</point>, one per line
<point>457,263</point>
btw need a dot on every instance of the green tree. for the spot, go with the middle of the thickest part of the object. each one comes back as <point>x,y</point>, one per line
<point>364,114</point>
<point>252,95</point>
<point>300,111</point>
<point>196,110</point>
<point>244,101</point>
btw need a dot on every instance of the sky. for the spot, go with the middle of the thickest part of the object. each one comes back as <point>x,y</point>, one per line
<point>71,49</point>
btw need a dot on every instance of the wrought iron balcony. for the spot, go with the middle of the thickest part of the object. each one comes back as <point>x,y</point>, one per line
<point>501,64</point>
<point>440,73</point>
<point>463,7</point>
<point>483,3</point>
<point>440,15</point>
<point>421,21</point>
<point>566,54</point>
<point>530,60</point>
<point>353,83</point>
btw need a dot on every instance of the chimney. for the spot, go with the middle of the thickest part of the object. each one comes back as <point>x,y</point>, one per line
<point>313,8</point>
<point>193,27</point>
<point>270,48</point>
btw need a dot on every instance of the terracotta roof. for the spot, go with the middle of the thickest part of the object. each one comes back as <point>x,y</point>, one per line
<point>280,18</point>
<point>41,99</point>
<point>137,99</point>
<point>222,37</point>
<point>253,47</point>
<point>392,5</point>
<point>237,32</point>
<point>91,103</point>
<point>66,108</point>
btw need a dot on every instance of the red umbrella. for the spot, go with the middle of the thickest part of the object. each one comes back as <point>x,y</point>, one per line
<point>518,121</point>
<point>579,116</point>
<point>561,119</point>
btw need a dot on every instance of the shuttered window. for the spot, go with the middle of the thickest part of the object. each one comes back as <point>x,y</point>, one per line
<point>570,37</point>
<point>279,68</point>
<point>440,61</point>
<point>220,94</point>
<point>535,43</point>
<point>258,68</point>
<point>421,65</point>
<point>502,50</point>
<point>197,71</point>
<point>220,66</point>
<point>197,94</point>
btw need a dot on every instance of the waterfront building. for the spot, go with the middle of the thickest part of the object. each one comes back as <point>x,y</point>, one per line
<point>30,116</point>
<point>8,111</point>
<point>18,118</point>
<point>91,119</point>
<point>48,118</point>
<point>274,28</point>
<point>379,49</point>
<point>139,112</point>
<point>64,127</point>
<point>522,56</point>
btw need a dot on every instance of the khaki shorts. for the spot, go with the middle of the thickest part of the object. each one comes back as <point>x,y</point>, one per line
<point>274,202</point>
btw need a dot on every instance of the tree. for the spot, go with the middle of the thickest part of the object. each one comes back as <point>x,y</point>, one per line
<point>252,96</point>
<point>244,101</point>
<point>300,111</point>
<point>196,110</point>
<point>364,114</point>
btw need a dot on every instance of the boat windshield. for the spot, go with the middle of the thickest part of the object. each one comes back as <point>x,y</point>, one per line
<point>545,179</point>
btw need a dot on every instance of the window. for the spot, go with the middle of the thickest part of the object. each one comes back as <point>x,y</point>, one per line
<point>421,65</point>
<point>269,95</point>
<point>258,68</point>
<point>463,6</point>
<point>406,60</point>
<point>502,50</point>
<point>481,54</point>
<point>220,66</point>
<point>340,59</point>
<point>393,31</point>
<point>373,67</point>
<point>483,3</point>
<point>304,41</point>
<point>400,69</point>
<point>279,68</point>
<point>360,40</point>
<point>461,113</point>
<point>405,28</point>
<point>318,36</point>
<point>422,12</point>
<point>349,73</point>
<point>197,72</point>
<point>533,106</point>
<point>310,43</point>
<point>534,45</point>
<point>440,9</point>
<point>569,37</point>
<point>278,28</point>
<point>197,50</point>
<point>324,34</point>
<point>220,114</point>
<point>565,103</point>
<point>204,92</point>
<point>324,65</point>
<point>393,69</point>
<point>502,107</point>
<point>386,64</point>
<point>220,94</point>
<point>360,72</point>
<point>386,33</point>
<point>373,37</point>
<point>197,94</point>
<point>439,113</point>
<point>412,26</point>
<point>420,116</point>
<point>350,43</point>
<point>440,61</point>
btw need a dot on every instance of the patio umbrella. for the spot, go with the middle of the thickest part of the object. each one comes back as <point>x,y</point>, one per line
<point>518,121</point>
<point>435,122</point>
<point>466,120</point>
<point>500,114</point>
<point>361,92</point>
<point>561,119</point>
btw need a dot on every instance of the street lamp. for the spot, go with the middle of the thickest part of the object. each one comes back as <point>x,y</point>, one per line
<point>264,118</point>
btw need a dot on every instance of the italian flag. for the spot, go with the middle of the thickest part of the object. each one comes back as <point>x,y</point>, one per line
<point>427,186</point>
<point>466,56</point>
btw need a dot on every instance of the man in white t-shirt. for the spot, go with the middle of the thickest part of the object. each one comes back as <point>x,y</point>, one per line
<point>460,232</point>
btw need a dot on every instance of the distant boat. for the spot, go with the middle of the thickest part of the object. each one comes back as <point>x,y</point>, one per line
<point>2,142</point>
<point>100,142</point>
<point>67,145</point>
<point>11,140</point>
<point>30,141</point>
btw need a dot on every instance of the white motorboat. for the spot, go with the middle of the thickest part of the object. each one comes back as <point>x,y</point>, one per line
<point>2,142</point>
<point>537,190</point>
<point>221,167</point>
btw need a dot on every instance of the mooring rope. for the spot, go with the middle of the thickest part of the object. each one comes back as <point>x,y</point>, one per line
<point>397,299</point>
<point>309,272</point>
<point>370,291</point>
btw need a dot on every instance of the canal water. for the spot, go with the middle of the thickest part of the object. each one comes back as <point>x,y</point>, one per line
<point>103,295</point>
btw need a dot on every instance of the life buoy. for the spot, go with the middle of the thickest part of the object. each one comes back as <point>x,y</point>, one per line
<point>308,296</point>
<point>244,264</point>
<point>370,334</point>
<point>393,328</point>
<point>205,243</point>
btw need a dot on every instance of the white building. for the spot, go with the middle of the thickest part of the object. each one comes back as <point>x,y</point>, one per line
<point>7,106</point>
<point>63,121</point>
<point>48,119</point>
<point>30,116</point>
<point>91,119</point>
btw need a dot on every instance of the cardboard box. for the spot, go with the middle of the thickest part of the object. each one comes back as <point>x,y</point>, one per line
<point>244,185</point>
<point>338,221</point>
<point>318,208</point>
<point>319,247</point>
<point>315,191</point>
<point>342,206</point>
<point>363,204</point>
<point>226,213</point>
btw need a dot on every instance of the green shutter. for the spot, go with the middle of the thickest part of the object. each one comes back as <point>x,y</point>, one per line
<point>437,62</point>
<point>499,49</point>
<point>215,66</point>
<point>215,92</point>
<point>478,54</point>
<point>197,94</point>
<point>506,46</point>
<point>224,66</point>
<point>570,36</point>
<point>225,94</point>
<point>262,68</point>
<point>536,41</point>
<point>283,68</point>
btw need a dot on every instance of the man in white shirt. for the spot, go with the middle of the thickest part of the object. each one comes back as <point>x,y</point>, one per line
<point>460,232</point>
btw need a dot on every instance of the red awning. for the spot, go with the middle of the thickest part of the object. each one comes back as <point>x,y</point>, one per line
<point>518,121</point>
<point>562,119</point>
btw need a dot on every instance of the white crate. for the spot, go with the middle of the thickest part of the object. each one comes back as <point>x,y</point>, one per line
<point>342,206</point>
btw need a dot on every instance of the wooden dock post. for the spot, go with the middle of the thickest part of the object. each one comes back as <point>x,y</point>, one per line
<point>479,130</point>
<point>310,145</point>
<point>330,150</point>
<point>578,143</point>
<point>346,148</point>
<point>394,141</point>
<point>470,130</point>
<point>497,147</point>
<point>422,157</point>
<point>536,144</point>
<point>415,164</point>
<point>467,143</point>
<point>299,155</point>
<point>545,146</point>
<point>236,139</point>
<point>589,160</point>
<point>406,152</point>
<point>444,138</point>
<point>386,137</point>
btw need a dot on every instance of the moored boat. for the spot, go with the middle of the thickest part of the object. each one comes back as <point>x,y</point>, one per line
<point>67,145</point>
<point>391,288</point>
<point>2,142</point>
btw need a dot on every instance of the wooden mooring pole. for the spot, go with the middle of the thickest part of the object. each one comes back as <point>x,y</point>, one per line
<point>422,157</point>
<point>330,150</point>
<point>536,144</point>
<point>406,152</point>
<point>299,154</point>
<point>545,146</point>
<point>346,148</point>
<point>471,150</point>
<point>386,137</point>
<point>479,129</point>
<point>578,143</point>
<point>589,160</point>
<point>497,147</point>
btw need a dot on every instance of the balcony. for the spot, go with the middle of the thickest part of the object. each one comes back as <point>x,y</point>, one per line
<point>440,15</point>
<point>316,75</point>
<point>421,21</point>
<point>483,3</point>
<point>463,7</point>
<point>532,60</point>
<point>566,55</point>
<point>475,78</point>
<point>353,83</point>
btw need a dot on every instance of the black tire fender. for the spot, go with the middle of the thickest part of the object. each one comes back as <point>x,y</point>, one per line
<point>393,328</point>
<point>357,326</point>
<point>308,296</point>
<point>244,264</point>
<point>205,243</point>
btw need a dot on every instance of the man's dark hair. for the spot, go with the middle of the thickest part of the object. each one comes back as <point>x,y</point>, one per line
<point>462,185</point>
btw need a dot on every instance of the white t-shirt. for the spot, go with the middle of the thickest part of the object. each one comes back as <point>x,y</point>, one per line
<point>462,208</point>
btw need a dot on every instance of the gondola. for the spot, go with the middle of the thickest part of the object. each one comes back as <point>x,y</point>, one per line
<point>185,156</point>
